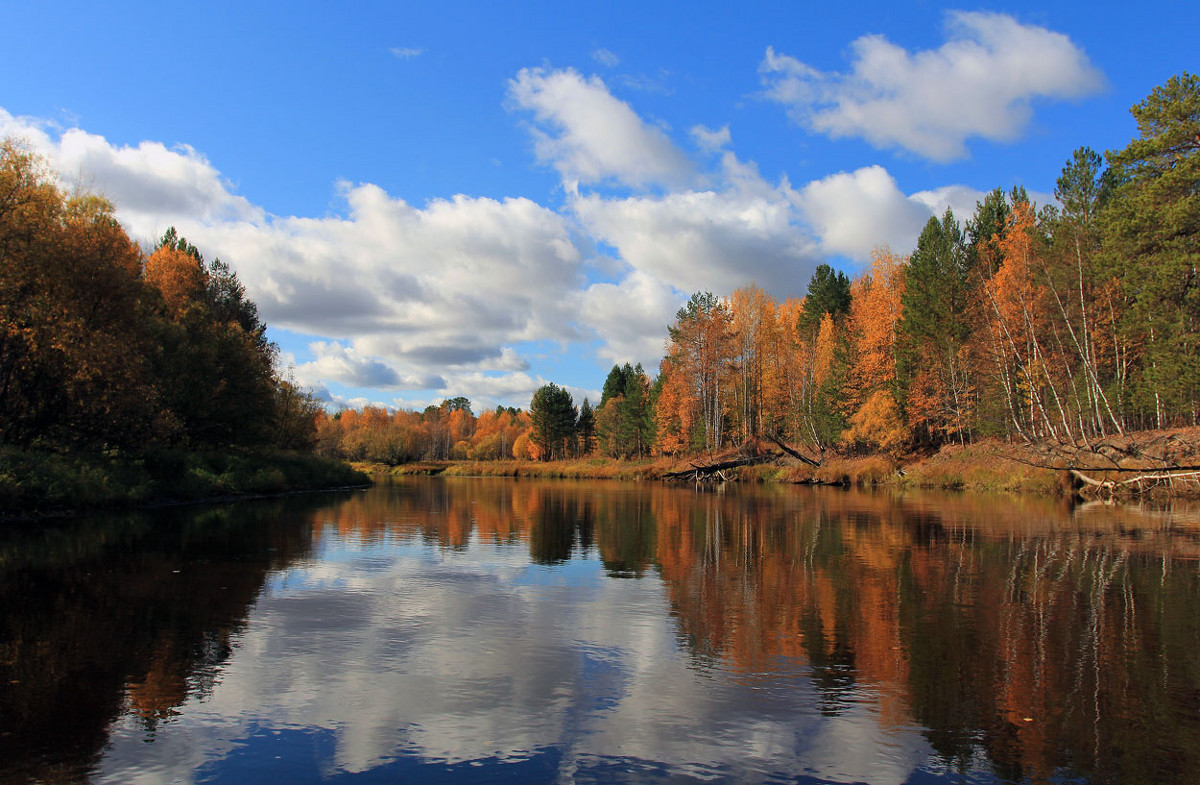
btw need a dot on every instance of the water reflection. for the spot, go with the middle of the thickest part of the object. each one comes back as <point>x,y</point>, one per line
<point>125,616</point>
<point>516,631</point>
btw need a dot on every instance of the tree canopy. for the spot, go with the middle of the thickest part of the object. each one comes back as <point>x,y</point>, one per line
<point>104,347</point>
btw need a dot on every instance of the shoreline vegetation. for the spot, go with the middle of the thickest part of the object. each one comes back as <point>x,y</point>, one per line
<point>42,483</point>
<point>134,376</point>
<point>989,466</point>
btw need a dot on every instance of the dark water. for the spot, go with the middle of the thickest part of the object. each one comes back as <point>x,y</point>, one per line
<point>444,631</point>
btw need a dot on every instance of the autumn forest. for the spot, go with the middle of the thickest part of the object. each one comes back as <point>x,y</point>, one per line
<point>1062,323</point>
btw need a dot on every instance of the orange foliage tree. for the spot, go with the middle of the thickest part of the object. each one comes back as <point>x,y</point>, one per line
<point>696,367</point>
<point>868,394</point>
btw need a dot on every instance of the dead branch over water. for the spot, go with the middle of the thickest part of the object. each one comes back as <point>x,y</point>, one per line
<point>1128,464</point>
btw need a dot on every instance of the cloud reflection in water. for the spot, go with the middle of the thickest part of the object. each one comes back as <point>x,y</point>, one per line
<point>390,658</point>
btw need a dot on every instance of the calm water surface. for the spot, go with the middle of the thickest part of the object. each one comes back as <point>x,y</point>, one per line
<point>444,631</point>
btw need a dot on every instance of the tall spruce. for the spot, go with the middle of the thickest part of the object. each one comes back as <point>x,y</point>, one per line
<point>1151,235</point>
<point>931,368</point>
<point>585,428</point>
<point>624,419</point>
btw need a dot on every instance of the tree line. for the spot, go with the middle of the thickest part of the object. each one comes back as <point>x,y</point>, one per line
<point>105,347</point>
<point>1064,323</point>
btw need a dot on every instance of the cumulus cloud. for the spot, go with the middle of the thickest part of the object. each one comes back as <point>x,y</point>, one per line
<point>442,298</point>
<point>854,212</point>
<point>343,364</point>
<point>590,136</point>
<point>463,355</point>
<point>29,129</point>
<point>959,198</point>
<point>632,316</point>
<point>711,240</point>
<point>980,83</point>
<point>455,283</point>
<point>491,387</point>
<point>148,183</point>
<point>458,267</point>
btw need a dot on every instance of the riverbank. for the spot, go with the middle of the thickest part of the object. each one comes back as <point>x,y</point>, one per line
<point>980,467</point>
<point>988,466</point>
<point>36,483</point>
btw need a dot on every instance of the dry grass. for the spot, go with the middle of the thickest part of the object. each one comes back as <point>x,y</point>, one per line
<point>583,468</point>
<point>989,466</point>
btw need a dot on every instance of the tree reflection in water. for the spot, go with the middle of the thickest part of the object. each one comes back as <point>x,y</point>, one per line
<point>1025,637</point>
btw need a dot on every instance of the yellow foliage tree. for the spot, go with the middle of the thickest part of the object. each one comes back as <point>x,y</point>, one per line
<point>877,424</point>
<point>874,315</point>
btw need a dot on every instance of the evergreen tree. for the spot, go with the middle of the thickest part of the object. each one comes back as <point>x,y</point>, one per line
<point>625,421</point>
<point>614,384</point>
<point>991,218</point>
<point>585,428</point>
<point>553,416</point>
<point>828,293</point>
<point>637,421</point>
<point>931,369</point>
<point>1151,237</point>
<point>457,403</point>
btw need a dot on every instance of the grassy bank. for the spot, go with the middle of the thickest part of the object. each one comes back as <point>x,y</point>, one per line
<point>988,467</point>
<point>581,469</point>
<point>985,467</point>
<point>34,482</point>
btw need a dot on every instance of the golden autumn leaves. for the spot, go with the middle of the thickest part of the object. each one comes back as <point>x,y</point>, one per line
<point>103,347</point>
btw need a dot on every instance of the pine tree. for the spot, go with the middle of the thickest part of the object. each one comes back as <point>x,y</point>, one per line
<point>553,417</point>
<point>932,371</point>
<point>585,428</point>
<point>1151,236</point>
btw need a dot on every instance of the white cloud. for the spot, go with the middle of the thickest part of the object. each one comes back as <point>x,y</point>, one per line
<point>960,199</point>
<point>963,200</point>
<point>589,136</point>
<point>345,365</point>
<point>508,388</point>
<point>150,184</point>
<point>632,316</point>
<point>980,83</point>
<point>606,58</point>
<point>711,141</point>
<point>441,298</point>
<point>854,212</point>
<point>34,131</point>
<point>454,284</point>
<point>462,272</point>
<point>706,240</point>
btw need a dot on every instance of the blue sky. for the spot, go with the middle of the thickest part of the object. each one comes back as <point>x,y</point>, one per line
<point>430,200</point>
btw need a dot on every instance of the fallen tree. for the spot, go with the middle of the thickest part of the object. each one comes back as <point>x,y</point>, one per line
<point>795,453</point>
<point>750,453</point>
<point>712,471</point>
<point>1138,463</point>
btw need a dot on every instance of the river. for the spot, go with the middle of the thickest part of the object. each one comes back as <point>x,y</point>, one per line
<point>444,630</point>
